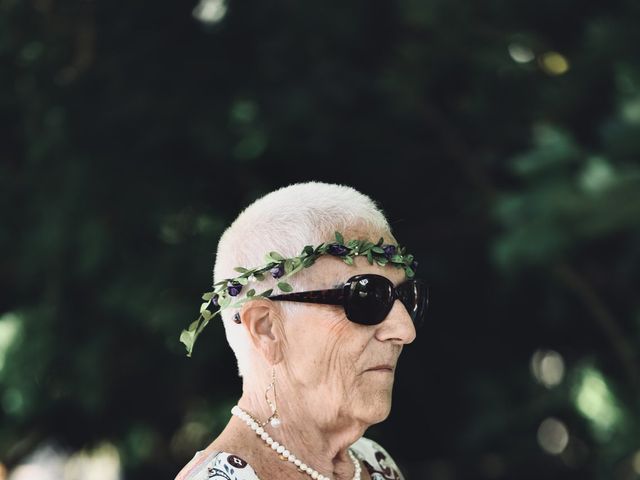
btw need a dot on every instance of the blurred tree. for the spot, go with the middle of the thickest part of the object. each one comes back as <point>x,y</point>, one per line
<point>501,138</point>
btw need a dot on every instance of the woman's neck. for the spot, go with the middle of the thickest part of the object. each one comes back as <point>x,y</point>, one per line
<point>319,439</point>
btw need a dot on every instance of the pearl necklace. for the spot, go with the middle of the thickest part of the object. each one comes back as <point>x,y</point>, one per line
<point>286,454</point>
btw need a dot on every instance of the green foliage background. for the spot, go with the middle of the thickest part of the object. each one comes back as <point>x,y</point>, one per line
<point>132,134</point>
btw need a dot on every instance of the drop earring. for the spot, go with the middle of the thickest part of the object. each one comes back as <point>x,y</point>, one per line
<point>274,419</point>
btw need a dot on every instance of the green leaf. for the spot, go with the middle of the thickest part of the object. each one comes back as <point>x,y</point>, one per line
<point>396,259</point>
<point>352,243</point>
<point>381,241</point>
<point>276,256</point>
<point>297,268</point>
<point>193,326</point>
<point>409,272</point>
<point>259,276</point>
<point>378,249</point>
<point>188,339</point>
<point>307,262</point>
<point>207,296</point>
<point>242,280</point>
<point>266,293</point>
<point>206,314</point>
<point>204,306</point>
<point>348,260</point>
<point>251,292</point>
<point>370,257</point>
<point>339,238</point>
<point>224,301</point>
<point>288,265</point>
<point>241,270</point>
<point>308,249</point>
<point>285,287</point>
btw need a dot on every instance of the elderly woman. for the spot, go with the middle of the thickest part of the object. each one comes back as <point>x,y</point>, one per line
<point>306,281</point>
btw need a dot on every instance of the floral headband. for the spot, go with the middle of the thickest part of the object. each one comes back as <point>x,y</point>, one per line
<point>224,291</point>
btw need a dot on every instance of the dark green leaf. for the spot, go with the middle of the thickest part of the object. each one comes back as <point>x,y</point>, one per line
<point>251,292</point>
<point>285,287</point>
<point>339,238</point>
<point>241,269</point>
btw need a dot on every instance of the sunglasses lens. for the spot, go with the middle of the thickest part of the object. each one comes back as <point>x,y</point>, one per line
<point>421,303</point>
<point>414,296</point>
<point>368,299</point>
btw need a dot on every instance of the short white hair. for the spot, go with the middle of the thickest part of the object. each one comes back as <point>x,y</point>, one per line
<point>284,221</point>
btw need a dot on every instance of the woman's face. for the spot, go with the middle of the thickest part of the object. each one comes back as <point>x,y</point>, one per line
<point>329,358</point>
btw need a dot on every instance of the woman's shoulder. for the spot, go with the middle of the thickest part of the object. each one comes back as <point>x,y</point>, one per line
<point>376,460</point>
<point>217,465</point>
<point>228,466</point>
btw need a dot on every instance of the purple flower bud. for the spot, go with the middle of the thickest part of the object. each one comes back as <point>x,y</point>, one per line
<point>214,300</point>
<point>414,265</point>
<point>234,288</point>
<point>338,250</point>
<point>389,250</point>
<point>277,271</point>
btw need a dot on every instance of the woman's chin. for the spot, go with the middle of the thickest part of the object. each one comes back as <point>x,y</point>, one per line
<point>377,412</point>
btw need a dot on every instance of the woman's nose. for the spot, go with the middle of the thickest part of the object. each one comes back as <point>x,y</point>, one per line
<point>398,325</point>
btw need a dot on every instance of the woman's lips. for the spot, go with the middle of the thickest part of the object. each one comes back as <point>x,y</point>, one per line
<point>381,368</point>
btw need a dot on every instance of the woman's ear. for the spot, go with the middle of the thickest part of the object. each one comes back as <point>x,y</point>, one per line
<point>263,324</point>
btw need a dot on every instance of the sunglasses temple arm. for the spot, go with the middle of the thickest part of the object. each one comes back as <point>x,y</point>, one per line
<point>325,297</point>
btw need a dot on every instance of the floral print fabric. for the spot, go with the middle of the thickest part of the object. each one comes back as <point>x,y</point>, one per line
<point>228,466</point>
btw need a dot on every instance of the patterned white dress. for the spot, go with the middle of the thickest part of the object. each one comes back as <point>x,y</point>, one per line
<point>228,466</point>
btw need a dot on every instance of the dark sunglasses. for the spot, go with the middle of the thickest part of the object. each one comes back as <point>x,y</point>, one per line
<point>368,298</point>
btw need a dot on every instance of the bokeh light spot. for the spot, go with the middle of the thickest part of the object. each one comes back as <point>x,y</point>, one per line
<point>9,327</point>
<point>547,367</point>
<point>635,462</point>
<point>210,11</point>
<point>553,63</point>
<point>519,53</point>
<point>553,436</point>
<point>595,401</point>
